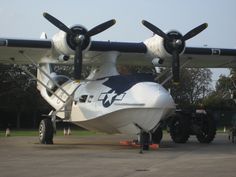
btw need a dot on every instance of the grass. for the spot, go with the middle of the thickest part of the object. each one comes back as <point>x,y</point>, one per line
<point>59,133</point>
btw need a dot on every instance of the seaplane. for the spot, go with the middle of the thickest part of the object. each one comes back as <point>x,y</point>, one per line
<point>107,100</point>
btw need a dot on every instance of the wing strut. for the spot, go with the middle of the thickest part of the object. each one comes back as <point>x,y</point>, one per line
<point>44,85</point>
<point>37,66</point>
<point>65,102</point>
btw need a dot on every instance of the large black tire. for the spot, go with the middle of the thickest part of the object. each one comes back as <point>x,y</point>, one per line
<point>46,131</point>
<point>157,136</point>
<point>208,129</point>
<point>179,128</point>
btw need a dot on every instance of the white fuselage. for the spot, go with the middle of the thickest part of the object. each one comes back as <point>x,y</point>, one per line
<point>118,104</point>
<point>144,104</point>
<point>110,102</point>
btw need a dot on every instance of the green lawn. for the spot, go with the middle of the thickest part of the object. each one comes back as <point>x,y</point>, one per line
<point>59,133</point>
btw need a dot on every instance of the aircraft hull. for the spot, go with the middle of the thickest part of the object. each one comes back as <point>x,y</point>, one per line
<point>125,120</point>
<point>116,104</point>
<point>114,109</point>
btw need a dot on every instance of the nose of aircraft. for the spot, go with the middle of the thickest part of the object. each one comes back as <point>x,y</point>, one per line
<point>153,95</point>
<point>157,103</point>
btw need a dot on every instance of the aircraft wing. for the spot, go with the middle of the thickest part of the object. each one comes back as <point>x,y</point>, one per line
<point>138,53</point>
<point>129,53</point>
<point>209,57</point>
<point>10,50</point>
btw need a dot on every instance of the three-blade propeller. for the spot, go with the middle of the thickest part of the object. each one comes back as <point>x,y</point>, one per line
<point>79,38</point>
<point>174,43</point>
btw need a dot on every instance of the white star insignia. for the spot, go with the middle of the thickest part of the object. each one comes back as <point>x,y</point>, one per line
<point>110,96</point>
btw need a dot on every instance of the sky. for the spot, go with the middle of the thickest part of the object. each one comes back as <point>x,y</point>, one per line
<point>24,19</point>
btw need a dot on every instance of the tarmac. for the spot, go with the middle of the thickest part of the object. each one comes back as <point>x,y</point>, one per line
<point>102,155</point>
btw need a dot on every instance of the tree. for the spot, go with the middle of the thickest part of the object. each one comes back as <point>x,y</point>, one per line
<point>224,85</point>
<point>18,94</point>
<point>195,85</point>
<point>221,99</point>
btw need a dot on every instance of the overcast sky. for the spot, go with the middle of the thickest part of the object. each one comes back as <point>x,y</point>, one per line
<point>24,19</point>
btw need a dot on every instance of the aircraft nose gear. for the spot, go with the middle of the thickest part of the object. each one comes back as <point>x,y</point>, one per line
<point>144,139</point>
<point>46,131</point>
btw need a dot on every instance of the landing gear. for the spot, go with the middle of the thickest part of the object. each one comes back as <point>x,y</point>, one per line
<point>147,138</point>
<point>144,141</point>
<point>46,131</point>
<point>179,128</point>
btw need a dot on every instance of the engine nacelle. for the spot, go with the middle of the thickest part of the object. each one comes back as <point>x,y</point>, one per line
<point>156,48</point>
<point>60,44</point>
<point>64,43</point>
<point>159,48</point>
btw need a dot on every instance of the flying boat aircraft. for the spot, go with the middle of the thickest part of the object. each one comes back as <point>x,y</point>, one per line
<point>106,100</point>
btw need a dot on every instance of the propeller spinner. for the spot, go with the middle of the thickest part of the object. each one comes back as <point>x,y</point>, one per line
<point>78,38</point>
<point>174,43</point>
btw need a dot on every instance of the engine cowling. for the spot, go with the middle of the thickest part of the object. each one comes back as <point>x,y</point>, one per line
<point>172,43</point>
<point>159,47</point>
<point>75,40</point>
<point>64,43</point>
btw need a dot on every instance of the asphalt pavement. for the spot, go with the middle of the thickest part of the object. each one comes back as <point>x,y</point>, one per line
<point>102,155</point>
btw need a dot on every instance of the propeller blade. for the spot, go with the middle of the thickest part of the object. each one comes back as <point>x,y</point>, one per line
<point>175,67</point>
<point>57,23</point>
<point>195,31</point>
<point>100,28</point>
<point>78,63</point>
<point>154,29</point>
